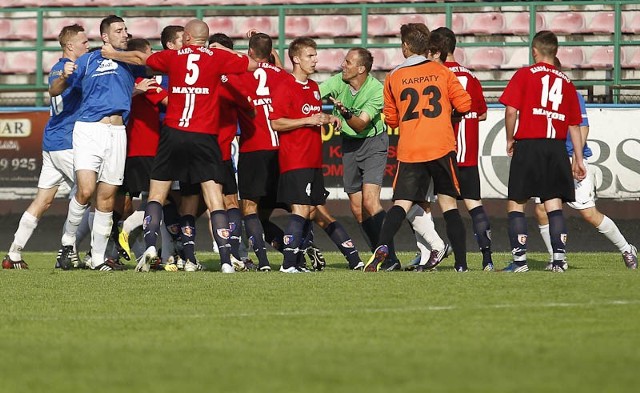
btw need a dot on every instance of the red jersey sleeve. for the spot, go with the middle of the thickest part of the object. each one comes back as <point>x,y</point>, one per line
<point>512,94</point>
<point>280,106</point>
<point>479,105</point>
<point>230,63</point>
<point>155,94</point>
<point>239,93</point>
<point>159,61</point>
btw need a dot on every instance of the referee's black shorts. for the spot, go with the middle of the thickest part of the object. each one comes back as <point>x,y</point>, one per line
<point>540,168</point>
<point>413,179</point>
<point>190,157</point>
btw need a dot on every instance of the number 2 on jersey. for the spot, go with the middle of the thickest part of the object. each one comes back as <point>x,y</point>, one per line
<point>263,90</point>
<point>414,98</point>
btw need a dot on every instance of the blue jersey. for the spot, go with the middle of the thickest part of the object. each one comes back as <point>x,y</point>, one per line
<point>585,123</point>
<point>63,114</point>
<point>107,86</point>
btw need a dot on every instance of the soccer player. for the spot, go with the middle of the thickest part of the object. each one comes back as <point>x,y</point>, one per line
<point>258,168</point>
<point>57,146</point>
<point>297,117</point>
<point>467,132</point>
<point>189,134</point>
<point>418,98</point>
<point>99,142</point>
<point>586,201</point>
<point>544,102</point>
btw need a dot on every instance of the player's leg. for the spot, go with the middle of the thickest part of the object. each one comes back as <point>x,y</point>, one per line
<point>432,248</point>
<point>543,227</point>
<point>235,224</point>
<point>517,236</point>
<point>557,232</point>
<point>187,222</point>
<point>158,190</point>
<point>338,234</point>
<point>255,232</point>
<point>102,222</point>
<point>213,198</point>
<point>470,192</point>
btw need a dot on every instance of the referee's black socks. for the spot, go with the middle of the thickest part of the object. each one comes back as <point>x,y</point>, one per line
<point>391,225</point>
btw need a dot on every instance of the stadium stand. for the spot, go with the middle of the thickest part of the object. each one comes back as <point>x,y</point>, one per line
<point>6,27</point>
<point>632,58</point>
<point>571,57</point>
<point>520,24</point>
<point>49,58</point>
<point>223,24</point>
<point>460,56</point>
<point>333,26</point>
<point>144,27</point>
<point>458,23</point>
<point>329,60</point>
<point>3,56</point>
<point>265,24</point>
<point>603,22</point>
<point>380,61</point>
<point>519,58</point>
<point>603,58</point>
<point>487,59</point>
<point>632,23</point>
<point>486,23</point>
<point>568,23</point>
<point>20,63</point>
<point>297,26</point>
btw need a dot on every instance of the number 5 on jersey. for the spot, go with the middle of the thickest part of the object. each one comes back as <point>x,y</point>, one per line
<point>191,77</point>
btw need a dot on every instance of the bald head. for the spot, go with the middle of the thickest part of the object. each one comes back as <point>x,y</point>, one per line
<point>196,32</point>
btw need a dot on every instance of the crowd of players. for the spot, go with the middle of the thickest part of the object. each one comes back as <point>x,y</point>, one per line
<point>127,122</point>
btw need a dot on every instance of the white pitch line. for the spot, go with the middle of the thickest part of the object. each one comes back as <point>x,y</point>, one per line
<point>381,310</point>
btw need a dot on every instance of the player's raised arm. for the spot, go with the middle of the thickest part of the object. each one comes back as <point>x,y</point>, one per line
<point>60,84</point>
<point>131,57</point>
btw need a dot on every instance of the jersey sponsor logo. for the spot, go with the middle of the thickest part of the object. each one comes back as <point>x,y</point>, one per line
<point>308,108</point>
<point>316,94</point>
<point>224,79</point>
<point>549,114</point>
<point>189,90</point>
<point>107,65</point>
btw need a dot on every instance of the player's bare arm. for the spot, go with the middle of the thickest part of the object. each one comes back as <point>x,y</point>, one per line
<point>577,166</point>
<point>319,119</point>
<point>131,57</point>
<point>358,123</point>
<point>252,66</point>
<point>510,117</point>
<point>60,83</point>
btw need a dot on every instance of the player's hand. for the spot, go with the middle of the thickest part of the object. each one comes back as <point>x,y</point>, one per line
<point>579,170</point>
<point>510,145</point>
<point>68,69</point>
<point>107,51</point>
<point>146,84</point>
<point>251,32</point>
<point>336,122</point>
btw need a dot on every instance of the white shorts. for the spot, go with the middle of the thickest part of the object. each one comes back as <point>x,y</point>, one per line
<point>585,190</point>
<point>57,169</point>
<point>101,148</point>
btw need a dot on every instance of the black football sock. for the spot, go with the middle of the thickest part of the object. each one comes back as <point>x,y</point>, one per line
<point>292,240</point>
<point>171,220</point>
<point>341,238</point>
<point>235,230</point>
<point>256,238</point>
<point>518,237</point>
<point>273,235</point>
<point>391,225</point>
<point>220,227</point>
<point>482,231</point>
<point>364,234</point>
<point>188,237</point>
<point>457,237</point>
<point>151,223</point>
<point>558,233</point>
<point>114,226</point>
<point>307,235</point>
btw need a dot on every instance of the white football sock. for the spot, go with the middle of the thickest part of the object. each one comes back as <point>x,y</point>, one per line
<point>423,246</point>
<point>422,223</point>
<point>27,225</point>
<point>74,216</point>
<point>84,229</point>
<point>102,223</point>
<point>546,238</point>
<point>133,221</point>
<point>609,228</point>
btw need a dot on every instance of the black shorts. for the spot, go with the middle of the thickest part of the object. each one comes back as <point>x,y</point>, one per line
<point>540,167</point>
<point>302,187</point>
<point>136,175</point>
<point>469,182</point>
<point>190,157</point>
<point>258,174</point>
<point>229,184</point>
<point>413,179</point>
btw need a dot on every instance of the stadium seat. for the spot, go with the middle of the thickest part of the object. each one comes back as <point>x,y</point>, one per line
<point>20,63</point>
<point>487,23</point>
<point>520,24</point>
<point>330,60</point>
<point>144,28</point>
<point>571,57</point>
<point>602,22</point>
<point>332,26</point>
<point>380,61</point>
<point>487,59</point>
<point>403,19</point>
<point>602,58</point>
<point>632,58</point>
<point>519,58</point>
<point>568,23</point>
<point>6,27</point>
<point>222,24</point>
<point>296,26</point>
<point>631,22</point>
<point>394,58</point>
<point>3,56</point>
<point>49,58</point>
<point>458,24</point>
<point>263,24</point>
<point>24,29</point>
<point>460,56</point>
<point>377,25</point>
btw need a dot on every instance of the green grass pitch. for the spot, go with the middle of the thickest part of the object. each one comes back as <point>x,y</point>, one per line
<point>331,331</point>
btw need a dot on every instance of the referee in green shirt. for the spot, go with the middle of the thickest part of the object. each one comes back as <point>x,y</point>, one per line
<point>358,101</point>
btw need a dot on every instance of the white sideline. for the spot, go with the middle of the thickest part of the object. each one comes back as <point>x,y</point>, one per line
<point>7,316</point>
